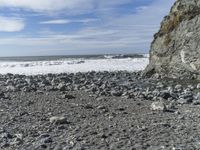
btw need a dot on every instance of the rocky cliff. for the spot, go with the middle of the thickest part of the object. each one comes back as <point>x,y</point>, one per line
<point>175,51</point>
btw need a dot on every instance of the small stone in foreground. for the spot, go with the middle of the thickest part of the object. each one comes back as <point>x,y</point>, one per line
<point>58,120</point>
<point>61,87</point>
<point>67,96</point>
<point>184,101</point>
<point>198,86</point>
<point>158,106</point>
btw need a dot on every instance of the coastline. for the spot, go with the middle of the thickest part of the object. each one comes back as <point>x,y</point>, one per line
<point>98,110</point>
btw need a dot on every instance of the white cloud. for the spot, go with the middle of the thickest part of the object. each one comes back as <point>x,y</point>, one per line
<point>132,31</point>
<point>11,24</point>
<point>47,5</point>
<point>60,21</point>
<point>71,6</point>
<point>108,3</point>
<point>67,21</point>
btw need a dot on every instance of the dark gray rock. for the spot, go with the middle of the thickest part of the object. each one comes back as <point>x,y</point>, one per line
<point>61,87</point>
<point>184,101</point>
<point>165,94</point>
<point>196,101</point>
<point>18,139</point>
<point>178,87</point>
<point>89,106</point>
<point>116,93</point>
<point>67,96</point>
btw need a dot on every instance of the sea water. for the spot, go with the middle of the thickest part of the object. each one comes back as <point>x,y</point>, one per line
<point>72,64</point>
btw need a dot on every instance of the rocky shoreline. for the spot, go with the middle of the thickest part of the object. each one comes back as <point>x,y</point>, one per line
<point>98,110</point>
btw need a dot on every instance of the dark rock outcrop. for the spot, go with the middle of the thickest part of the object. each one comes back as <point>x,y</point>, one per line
<point>175,51</point>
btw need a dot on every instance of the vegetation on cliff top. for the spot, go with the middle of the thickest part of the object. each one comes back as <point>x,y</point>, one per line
<point>172,22</point>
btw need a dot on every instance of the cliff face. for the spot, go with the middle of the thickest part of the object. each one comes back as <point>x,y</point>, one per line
<point>175,51</point>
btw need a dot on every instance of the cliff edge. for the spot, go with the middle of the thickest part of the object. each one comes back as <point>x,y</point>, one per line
<point>175,50</point>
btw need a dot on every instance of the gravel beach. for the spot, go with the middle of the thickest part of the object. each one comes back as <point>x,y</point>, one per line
<point>98,110</point>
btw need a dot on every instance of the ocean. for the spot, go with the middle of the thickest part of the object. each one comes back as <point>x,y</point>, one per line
<point>34,65</point>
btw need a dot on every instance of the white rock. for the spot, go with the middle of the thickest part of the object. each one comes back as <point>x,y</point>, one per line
<point>198,86</point>
<point>178,86</point>
<point>158,106</point>
<point>58,120</point>
<point>198,96</point>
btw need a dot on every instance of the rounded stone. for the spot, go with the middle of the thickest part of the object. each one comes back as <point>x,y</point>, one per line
<point>158,106</point>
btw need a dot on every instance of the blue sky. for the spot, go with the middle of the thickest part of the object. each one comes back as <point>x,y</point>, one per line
<point>57,27</point>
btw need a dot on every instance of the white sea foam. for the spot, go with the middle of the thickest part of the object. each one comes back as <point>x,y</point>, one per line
<point>73,66</point>
<point>146,55</point>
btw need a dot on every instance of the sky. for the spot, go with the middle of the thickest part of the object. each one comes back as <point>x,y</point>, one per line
<point>73,27</point>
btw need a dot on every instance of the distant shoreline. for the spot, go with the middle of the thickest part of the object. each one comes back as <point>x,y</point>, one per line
<point>76,55</point>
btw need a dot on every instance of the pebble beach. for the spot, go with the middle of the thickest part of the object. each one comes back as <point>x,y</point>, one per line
<point>98,110</point>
